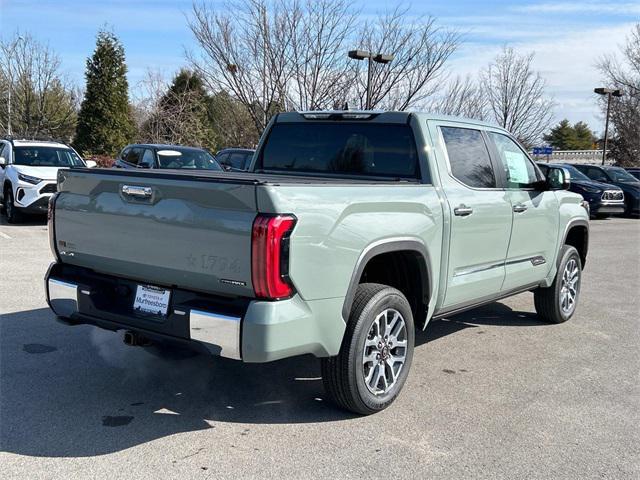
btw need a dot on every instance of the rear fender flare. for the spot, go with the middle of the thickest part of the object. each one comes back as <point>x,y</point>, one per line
<point>579,222</point>
<point>386,246</point>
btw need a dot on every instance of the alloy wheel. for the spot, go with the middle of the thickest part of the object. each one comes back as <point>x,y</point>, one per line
<point>385,351</point>
<point>569,286</point>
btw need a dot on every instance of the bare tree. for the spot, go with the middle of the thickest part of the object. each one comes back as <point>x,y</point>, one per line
<point>420,48</point>
<point>624,74</point>
<point>463,97</point>
<point>322,74</point>
<point>273,55</point>
<point>43,101</point>
<point>147,94</point>
<point>245,50</point>
<point>516,96</point>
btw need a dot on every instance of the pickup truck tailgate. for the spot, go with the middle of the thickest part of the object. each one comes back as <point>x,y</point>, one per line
<point>166,229</point>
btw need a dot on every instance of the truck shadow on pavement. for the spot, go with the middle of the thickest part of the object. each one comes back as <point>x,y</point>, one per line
<point>79,391</point>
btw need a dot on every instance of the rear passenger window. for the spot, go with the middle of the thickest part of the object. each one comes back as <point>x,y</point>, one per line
<point>469,157</point>
<point>518,169</point>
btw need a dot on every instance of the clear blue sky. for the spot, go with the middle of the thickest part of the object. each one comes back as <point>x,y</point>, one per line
<point>567,36</point>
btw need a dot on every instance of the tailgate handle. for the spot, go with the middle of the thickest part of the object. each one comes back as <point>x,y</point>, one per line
<point>137,191</point>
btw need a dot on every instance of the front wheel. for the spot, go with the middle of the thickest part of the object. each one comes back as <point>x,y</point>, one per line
<point>557,303</point>
<point>10,209</point>
<point>374,360</point>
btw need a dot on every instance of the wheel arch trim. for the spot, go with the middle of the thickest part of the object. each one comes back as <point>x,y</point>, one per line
<point>579,222</point>
<point>386,246</point>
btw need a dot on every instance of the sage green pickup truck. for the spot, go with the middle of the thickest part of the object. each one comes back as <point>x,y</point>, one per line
<point>349,231</point>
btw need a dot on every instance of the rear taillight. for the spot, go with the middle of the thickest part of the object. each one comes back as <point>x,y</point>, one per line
<point>270,256</point>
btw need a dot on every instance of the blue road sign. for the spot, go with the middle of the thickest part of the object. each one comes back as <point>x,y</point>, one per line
<point>542,150</point>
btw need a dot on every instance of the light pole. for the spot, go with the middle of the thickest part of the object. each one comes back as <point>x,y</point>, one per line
<point>609,92</point>
<point>9,55</point>
<point>378,58</point>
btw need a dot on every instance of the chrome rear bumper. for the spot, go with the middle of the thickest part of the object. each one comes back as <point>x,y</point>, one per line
<point>63,297</point>
<point>220,334</point>
<point>218,331</point>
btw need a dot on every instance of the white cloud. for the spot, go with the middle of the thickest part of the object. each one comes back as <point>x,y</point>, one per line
<point>565,58</point>
<point>611,8</point>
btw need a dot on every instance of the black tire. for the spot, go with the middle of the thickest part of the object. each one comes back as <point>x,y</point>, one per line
<point>548,300</point>
<point>344,375</point>
<point>10,209</point>
<point>628,211</point>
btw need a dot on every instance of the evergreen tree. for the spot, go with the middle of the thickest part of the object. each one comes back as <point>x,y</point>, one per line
<point>561,136</point>
<point>105,121</point>
<point>564,136</point>
<point>182,115</point>
<point>584,137</point>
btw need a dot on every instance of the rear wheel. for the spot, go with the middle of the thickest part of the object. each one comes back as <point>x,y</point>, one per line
<point>558,303</point>
<point>374,360</point>
<point>13,215</point>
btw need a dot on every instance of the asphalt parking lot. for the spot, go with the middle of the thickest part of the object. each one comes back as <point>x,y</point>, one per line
<point>493,393</point>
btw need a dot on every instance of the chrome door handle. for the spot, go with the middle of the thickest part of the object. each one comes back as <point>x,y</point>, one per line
<point>137,191</point>
<point>519,208</point>
<point>462,211</point>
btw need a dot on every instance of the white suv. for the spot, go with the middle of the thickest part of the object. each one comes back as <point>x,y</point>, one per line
<point>28,173</point>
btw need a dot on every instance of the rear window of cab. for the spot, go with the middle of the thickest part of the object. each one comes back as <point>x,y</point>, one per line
<point>341,148</point>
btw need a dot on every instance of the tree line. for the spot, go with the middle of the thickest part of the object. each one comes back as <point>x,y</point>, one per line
<point>260,57</point>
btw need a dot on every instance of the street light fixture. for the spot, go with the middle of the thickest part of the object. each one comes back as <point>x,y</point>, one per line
<point>376,57</point>
<point>609,92</point>
<point>9,55</point>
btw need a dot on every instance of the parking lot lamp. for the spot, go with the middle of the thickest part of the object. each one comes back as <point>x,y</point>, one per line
<point>609,92</point>
<point>378,58</point>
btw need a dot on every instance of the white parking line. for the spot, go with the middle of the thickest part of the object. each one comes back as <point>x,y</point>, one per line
<point>4,235</point>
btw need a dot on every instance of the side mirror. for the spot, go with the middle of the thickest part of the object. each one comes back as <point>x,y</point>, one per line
<point>91,163</point>
<point>558,178</point>
<point>3,162</point>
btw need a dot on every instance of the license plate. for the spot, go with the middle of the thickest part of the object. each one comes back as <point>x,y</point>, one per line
<point>151,299</point>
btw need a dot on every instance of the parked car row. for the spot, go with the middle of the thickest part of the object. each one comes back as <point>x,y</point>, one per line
<point>604,199</point>
<point>181,157</point>
<point>608,189</point>
<point>28,171</point>
<point>166,157</point>
<point>29,168</point>
<point>618,177</point>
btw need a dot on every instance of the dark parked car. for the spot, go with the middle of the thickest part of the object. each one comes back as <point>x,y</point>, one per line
<point>619,177</point>
<point>604,199</point>
<point>635,171</point>
<point>237,159</point>
<point>166,157</point>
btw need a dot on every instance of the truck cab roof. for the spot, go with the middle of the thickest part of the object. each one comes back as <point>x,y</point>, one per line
<point>378,116</point>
